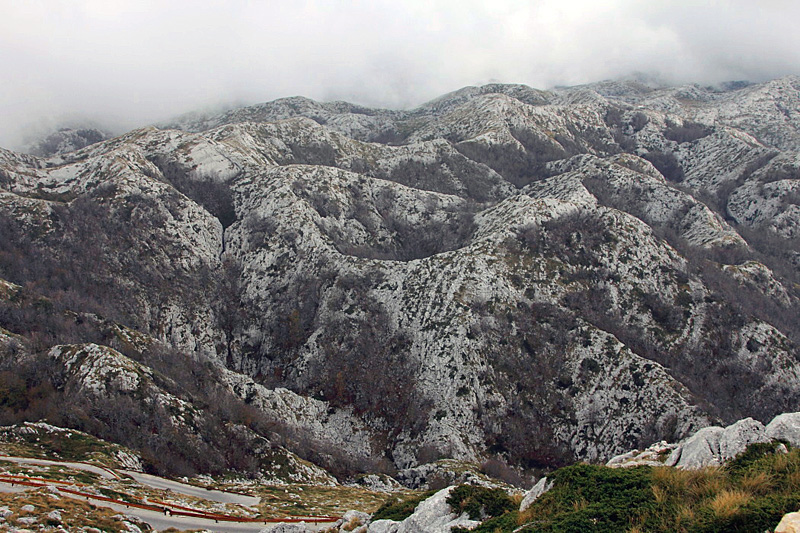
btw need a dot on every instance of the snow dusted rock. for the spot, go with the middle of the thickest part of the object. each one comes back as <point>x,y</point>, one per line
<point>66,140</point>
<point>542,486</point>
<point>433,515</point>
<point>790,523</point>
<point>714,445</point>
<point>785,427</point>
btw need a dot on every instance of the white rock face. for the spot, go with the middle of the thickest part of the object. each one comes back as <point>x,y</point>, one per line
<point>501,267</point>
<point>102,373</point>
<point>100,369</point>
<point>340,428</point>
<point>433,515</point>
<point>542,486</point>
<point>129,461</point>
<point>785,427</point>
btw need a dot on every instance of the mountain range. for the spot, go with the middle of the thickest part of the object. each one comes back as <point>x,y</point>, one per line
<point>504,275</point>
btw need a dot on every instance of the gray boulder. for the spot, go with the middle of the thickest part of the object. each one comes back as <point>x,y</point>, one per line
<point>352,521</point>
<point>712,446</point>
<point>785,427</point>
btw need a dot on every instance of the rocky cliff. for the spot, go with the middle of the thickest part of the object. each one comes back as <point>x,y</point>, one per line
<point>528,276</point>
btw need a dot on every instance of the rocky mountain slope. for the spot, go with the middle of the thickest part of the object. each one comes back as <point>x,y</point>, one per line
<point>66,140</point>
<point>504,273</point>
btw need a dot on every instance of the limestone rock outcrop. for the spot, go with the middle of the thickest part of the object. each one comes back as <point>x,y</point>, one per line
<point>433,515</point>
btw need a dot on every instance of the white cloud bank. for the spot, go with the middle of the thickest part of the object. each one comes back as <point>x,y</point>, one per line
<point>126,63</point>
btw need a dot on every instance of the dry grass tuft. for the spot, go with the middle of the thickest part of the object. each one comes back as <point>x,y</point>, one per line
<point>526,516</point>
<point>579,505</point>
<point>704,483</point>
<point>793,480</point>
<point>757,482</point>
<point>671,481</point>
<point>660,494</point>
<point>352,524</point>
<point>783,463</point>
<point>728,502</point>
<point>682,519</point>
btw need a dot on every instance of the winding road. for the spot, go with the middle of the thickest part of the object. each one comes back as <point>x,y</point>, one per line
<point>157,519</point>
<point>105,473</point>
<point>191,490</point>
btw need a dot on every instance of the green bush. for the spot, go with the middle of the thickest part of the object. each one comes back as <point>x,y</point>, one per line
<point>750,494</point>
<point>480,502</point>
<point>747,460</point>
<point>593,498</point>
<point>399,509</point>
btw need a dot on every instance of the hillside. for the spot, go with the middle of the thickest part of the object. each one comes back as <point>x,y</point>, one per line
<point>503,275</point>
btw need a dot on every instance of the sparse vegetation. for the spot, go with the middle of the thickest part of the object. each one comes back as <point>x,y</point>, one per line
<point>750,494</point>
<point>687,132</point>
<point>480,503</point>
<point>66,513</point>
<point>667,164</point>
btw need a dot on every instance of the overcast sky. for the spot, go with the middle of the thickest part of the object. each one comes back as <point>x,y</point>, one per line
<point>127,63</point>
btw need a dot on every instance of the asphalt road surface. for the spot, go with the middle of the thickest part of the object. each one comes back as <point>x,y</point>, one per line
<point>190,490</point>
<point>148,480</point>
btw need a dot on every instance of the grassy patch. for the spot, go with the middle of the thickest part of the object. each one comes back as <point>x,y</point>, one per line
<point>60,444</point>
<point>54,472</point>
<point>751,493</point>
<point>479,502</point>
<point>71,514</point>
<point>304,500</point>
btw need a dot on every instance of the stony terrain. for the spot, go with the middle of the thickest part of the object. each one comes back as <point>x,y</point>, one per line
<point>503,274</point>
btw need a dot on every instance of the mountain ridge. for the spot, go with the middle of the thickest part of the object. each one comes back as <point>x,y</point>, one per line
<point>506,273</point>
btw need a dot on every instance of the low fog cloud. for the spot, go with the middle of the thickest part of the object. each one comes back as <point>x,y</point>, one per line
<point>127,63</point>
